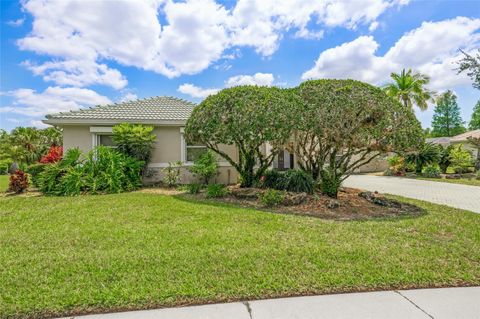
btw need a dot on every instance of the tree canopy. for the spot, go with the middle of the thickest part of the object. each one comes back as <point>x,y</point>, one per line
<point>446,118</point>
<point>345,124</point>
<point>247,117</point>
<point>409,88</point>
<point>475,120</point>
<point>471,65</point>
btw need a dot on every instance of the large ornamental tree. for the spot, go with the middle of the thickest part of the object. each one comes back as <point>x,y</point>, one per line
<point>345,124</point>
<point>247,117</point>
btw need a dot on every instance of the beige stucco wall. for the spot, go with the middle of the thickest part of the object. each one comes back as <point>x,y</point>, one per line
<point>168,148</point>
<point>77,136</point>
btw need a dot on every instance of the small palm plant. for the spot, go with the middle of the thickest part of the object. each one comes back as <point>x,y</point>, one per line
<point>409,88</point>
<point>427,154</point>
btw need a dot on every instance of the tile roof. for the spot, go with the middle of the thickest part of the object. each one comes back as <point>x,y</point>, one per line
<point>463,137</point>
<point>159,108</point>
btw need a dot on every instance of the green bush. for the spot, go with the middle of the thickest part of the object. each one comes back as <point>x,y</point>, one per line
<point>216,190</point>
<point>134,140</point>
<point>477,175</point>
<point>4,166</point>
<point>431,171</point>
<point>396,166</point>
<point>460,159</point>
<point>34,170</point>
<point>291,180</point>
<point>428,153</point>
<point>205,166</point>
<point>297,181</point>
<point>104,170</point>
<point>194,188</point>
<point>272,197</point>
<point>172,174</point>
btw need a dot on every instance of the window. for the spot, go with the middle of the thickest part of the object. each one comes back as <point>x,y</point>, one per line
<point>193,152</point>
<point>105,140</point>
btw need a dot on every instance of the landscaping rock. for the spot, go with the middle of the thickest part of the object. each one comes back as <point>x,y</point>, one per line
<point>245,193</point>
<point>380,200</point>
<point>333,203</point>
<point>453,176</point>
<point>292,199</point>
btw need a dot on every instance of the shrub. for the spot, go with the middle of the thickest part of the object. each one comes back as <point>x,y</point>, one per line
<point>396,166</point>
<point>103,171</point>
<point>270,179</point>
<point>216,190</point>
<point>431,171</point>
<point>460,159</point>
<point>425,155</point>
<point>134,140</point>
<point>193,188</point>
<point>172,173</point>
<point>272,197</point>
<point>291,180</point>
<point>205,166</point>
<point>18,182</point>
<point>34,170</point>
<point>4,166</point>
<point>477,175</point>
<point>53,155</point>
<point>297,181</point>
<point>444,161</point>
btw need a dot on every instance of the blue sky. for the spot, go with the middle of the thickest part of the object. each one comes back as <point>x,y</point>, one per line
<point>63,55</point>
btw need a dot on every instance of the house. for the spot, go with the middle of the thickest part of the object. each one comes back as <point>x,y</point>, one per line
<point>457,140</point>
<point>88,128</point>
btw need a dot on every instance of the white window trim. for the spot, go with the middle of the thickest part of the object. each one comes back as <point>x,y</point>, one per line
<point>183,154</point>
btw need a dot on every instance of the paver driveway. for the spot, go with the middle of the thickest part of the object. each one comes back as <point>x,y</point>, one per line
<point>454,195</point>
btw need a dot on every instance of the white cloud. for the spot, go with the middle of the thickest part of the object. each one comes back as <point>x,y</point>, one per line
<point>16,23</point>
<point>52,100</point>
<point>432,49</point>
<point>82,38</point>
<point>78,73</point>
<point>38,124</point>
<point>196,91</point>
<point>128,97</point>
<point>260,79</point>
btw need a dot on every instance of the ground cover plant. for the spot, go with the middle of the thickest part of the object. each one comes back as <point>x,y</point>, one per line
<point>90,254</point>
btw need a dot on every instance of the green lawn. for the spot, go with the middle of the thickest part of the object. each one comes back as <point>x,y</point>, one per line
<point>464,181</point>
<point>61,256</point>
<point>3,183</point>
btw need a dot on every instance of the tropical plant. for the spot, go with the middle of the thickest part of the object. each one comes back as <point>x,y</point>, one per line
<point>346,124</point>
<point>206,166</point>
<point>194,188</point>
<point>216,190</point>
<point>248,117</point>
<point>446,118</point>
<point>427,154</point>
<point>444,160</point>
<point>475,141</point>
<point>460,159</point>
<point>409,88</point>
<point>19,182</point>
<point>54,155</point>
<point>104,170</point>
<point>295,180</point>
<point>34,170</point>
<point>431,171</point>
<point>471,65</point>
<point>475,120</point>
<point>5,166</point>
<point>172,174</point>
<point>134,140</point>
<point>396,165</point>
<point>272,197</point>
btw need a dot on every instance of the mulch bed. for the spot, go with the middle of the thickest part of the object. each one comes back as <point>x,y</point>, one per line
<point>351,204</point>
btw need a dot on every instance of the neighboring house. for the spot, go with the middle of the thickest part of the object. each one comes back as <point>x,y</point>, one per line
<point>88,128</point>
<point>458,139</point>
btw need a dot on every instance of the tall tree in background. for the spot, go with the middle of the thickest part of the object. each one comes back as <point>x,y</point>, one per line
<point>409,88</point>
<point>471,65</point>
<point>475,121</point>
<point>446,118</point>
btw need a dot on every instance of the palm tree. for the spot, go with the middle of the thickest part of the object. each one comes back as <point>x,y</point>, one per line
<point>410,89</point>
